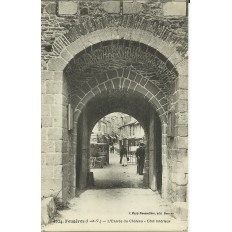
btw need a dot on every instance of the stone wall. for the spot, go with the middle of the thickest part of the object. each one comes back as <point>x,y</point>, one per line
<point>61,18</point>
<point>178,144</point>
<point>54,131</point>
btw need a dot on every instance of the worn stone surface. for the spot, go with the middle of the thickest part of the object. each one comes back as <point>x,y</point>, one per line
<point>132,8</point>
<point>58,31</point>
<point>110,203</point>
<point>182,142</point>
<point>181,210</point>
<point>51,186</point>
<point>51,8</point>
<point>174,8</point>
<point>67,7</point>
<point>48,210</point>
<point>111,6</point>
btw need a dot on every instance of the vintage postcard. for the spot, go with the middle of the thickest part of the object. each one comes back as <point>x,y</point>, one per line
<point>114,115</point>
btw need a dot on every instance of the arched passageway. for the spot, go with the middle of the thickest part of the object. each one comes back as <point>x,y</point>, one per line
<point>107,167</point>
<point>134,104</point>
<point>127,76</point>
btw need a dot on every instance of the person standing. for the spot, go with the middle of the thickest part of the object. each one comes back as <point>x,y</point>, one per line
<point>112,148</point>
<point>140,154</point>
<point>124,160</point>
<point>122,152</point>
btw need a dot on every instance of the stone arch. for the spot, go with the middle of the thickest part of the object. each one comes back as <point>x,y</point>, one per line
<point>147,115</point>
<point>56,66</point>
<point>67,50</point>
<point>126,81</point>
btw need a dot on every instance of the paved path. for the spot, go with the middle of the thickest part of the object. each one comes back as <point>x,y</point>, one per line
<point>117,204</point>
<point>124,209</point>
<point>116,176</point>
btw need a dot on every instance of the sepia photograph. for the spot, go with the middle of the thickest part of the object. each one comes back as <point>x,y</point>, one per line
<point>114,115</point>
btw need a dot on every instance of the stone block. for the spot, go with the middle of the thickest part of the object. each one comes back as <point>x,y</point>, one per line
<point>58,76</point>
<point>47,122</point>
<point>182,131</point>
<point>182,106</point>
<point>46,75</point>
<point>180,178</point>
<point>48,99</point>
<point>175,58</point>
<point>53,159</point>
<point>51,8</point>
<point>58,171</point>
<point>182,118</point>
<point>75,47</point>
<point>56,110</point>
<point>54,134</point>
<point>54,87</point>
<point>50,186</point>
<point>66,55</point>
<point>183,94</point>
<point>111,7</point>
<point>182,142</point>
<point>180,210</point>
<point>152,88</point>
<point>174,9</point>
<point>181,193</point>
<point>177,167</point>
<point>126,84</point>
<point>182,67</point>
<point>47,147</point>
<point>181,155</point>
<point>56,64</point>
<point>182,82</point>
<point>46,172</point>
<point>67,7</point>
<point>58,99</point>
<point>43,87</point>
<point>43,134</point>
<point>155,102</point>
<point>141,90</point>
<point>132,7</point>
<point>48,210</point>
<point>58,121</point>
<point>143,81</point>
<point>45,110</point>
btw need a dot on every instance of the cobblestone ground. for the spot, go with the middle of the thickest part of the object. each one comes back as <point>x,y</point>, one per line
<point>117,204</point>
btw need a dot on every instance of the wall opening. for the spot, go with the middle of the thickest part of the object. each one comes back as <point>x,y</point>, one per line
<point>107,138</point>
<point>134,105</point>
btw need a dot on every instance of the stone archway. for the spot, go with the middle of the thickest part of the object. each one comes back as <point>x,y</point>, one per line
<point>128,101</point>
<point>67,50</point>
<point>57,86</point>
